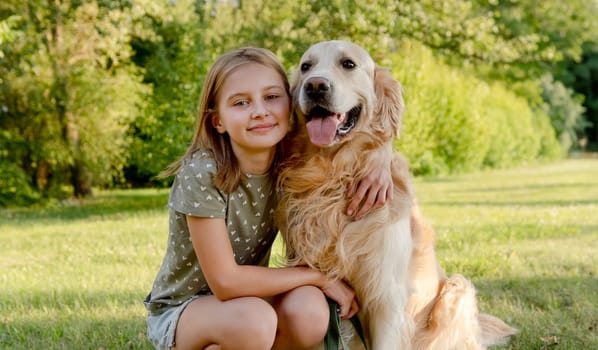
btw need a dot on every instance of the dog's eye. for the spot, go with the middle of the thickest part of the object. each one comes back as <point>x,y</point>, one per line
<point>305,66</point>
<point>348,64</point>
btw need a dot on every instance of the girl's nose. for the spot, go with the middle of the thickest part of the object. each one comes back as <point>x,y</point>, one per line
<point>260,110</point>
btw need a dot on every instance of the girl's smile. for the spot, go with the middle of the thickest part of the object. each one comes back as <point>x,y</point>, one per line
<point>264,127</point>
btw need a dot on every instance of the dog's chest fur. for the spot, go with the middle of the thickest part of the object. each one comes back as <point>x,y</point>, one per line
<point>312,210</point>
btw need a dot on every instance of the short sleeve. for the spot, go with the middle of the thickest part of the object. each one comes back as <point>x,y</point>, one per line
<point>194,193</point>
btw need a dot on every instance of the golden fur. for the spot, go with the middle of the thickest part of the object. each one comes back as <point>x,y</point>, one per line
<point>388,256</point>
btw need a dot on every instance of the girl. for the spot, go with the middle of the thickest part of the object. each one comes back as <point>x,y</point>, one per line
<point>214,289</point>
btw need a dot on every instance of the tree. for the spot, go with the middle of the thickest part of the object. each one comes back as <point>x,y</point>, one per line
<point>565,111</point>
<point>511,39</point>
<point>97,92</point>
<point>169,44</point>
<point>69,92</point>
<point>514,41</point>
<point>582,77</point>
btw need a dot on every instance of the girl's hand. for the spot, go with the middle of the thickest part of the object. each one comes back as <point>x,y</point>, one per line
<point>376,187</point>
<point>340,292</point>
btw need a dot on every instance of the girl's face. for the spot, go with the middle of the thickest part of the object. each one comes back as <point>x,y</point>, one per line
<point>253,107</point>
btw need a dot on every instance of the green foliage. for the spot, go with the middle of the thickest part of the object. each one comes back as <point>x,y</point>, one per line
<point>15,186</point>
<point>550,148</point>
<point>507,39</point>
<point>547,31</point>
<point>168,45</point>
<point>582,76</point>
<point>565,111</point>
<point>7,32</point>
<point>15,189</point>
<point>104,93</point>
<point>460,30</point>
<point>456,130</point>
<point>514,137</point>
<point>458,123</point>
<point>68,93</point>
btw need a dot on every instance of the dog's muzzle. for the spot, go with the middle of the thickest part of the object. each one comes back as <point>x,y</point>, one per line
<point>326,128</point>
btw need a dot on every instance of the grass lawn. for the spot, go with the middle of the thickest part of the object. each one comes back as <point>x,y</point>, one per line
<point>74,276</point>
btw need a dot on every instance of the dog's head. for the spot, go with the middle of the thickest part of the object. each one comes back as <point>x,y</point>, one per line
<point>338,89</point>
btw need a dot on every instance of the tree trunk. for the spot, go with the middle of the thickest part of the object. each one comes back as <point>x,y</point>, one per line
<point>42,174</point>
<point>81,180</point>
<point>80,175</point>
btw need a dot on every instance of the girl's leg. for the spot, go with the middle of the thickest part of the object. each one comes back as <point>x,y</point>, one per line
<point>303,317</point>
<point>241,323</point>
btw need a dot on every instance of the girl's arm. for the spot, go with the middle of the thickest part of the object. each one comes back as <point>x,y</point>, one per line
<point>228,280</point>
<point>373,190</point>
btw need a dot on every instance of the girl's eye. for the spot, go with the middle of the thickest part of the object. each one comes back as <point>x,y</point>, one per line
<point>240,103</point>
<point>272,97</point>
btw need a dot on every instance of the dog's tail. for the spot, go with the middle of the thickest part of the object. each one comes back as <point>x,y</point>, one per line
<point>494,330</point>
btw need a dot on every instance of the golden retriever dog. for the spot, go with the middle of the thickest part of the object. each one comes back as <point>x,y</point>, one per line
<point>346,113</point>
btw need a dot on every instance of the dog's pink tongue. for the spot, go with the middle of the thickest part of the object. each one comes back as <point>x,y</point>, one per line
<point>321,131</point>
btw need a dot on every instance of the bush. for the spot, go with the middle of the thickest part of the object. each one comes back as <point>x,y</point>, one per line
<point>550,148</point>
<point>15,189</point>
<point>455,122</point>
<point>565,111</point>
<point>443,129</point>
<point>514,138</point>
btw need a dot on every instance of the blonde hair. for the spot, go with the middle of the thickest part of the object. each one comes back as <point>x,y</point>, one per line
<point>206,137</point>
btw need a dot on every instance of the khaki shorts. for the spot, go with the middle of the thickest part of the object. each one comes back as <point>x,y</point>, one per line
<point>161,328</point>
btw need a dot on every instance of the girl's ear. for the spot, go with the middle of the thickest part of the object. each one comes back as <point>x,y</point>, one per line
<point>217,124</point>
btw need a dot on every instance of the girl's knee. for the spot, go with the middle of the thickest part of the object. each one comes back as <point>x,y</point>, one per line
<point>308,315</point>
<point>242,323</point>
<point>255,322</point>
<point>304,315</point>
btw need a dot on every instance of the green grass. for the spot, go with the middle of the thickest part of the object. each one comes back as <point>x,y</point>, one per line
<point>74,276</point>
<point>529,240</point>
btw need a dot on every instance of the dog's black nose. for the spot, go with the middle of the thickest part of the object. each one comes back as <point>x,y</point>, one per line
<point>317,87</point>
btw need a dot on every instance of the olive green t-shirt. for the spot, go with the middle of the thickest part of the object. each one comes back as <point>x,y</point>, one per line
<point>248,213</point>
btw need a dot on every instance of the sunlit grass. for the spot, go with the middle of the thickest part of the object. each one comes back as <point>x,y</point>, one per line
<point>529,240</point>
<point>74,276</point>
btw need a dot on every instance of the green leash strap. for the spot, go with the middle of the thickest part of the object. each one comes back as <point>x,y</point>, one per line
<point>359,329</point>
<point>333,339</point>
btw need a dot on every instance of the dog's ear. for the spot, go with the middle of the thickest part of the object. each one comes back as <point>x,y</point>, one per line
<point>389,102</point>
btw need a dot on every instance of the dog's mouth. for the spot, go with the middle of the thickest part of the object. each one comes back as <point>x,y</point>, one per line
<point>325,127</point>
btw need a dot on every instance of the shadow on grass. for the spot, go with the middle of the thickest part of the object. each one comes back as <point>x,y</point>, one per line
<point>69,319</point>
<point>106,203</point>
<point>75,333</point>
<point>544,309</point>
<point>541,308</point>
<point>526,187</point>
<point>515,204</point>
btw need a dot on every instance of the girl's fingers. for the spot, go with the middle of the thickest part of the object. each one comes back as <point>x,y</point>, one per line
<point>356,193</point>
<point>353,309</point>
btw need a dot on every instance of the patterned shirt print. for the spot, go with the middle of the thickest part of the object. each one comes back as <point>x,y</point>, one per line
<point>249,219</point>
